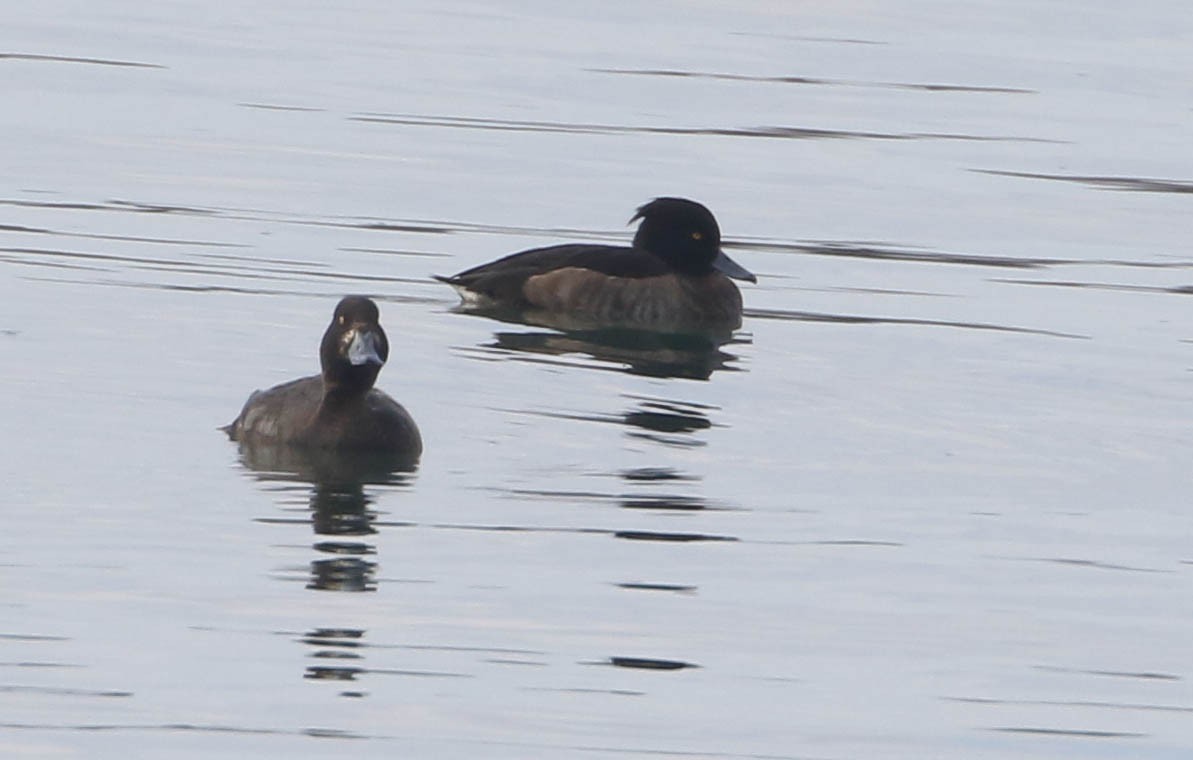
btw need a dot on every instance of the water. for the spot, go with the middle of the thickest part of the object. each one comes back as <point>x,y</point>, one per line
<point>931,501</point>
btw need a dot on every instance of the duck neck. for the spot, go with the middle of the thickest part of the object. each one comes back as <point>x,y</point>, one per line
<point>341,388</point>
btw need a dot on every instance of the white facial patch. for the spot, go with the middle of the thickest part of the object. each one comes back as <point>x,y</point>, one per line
<point>363,349</point>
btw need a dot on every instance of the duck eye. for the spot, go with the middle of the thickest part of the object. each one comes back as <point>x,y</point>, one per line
<point>341,319</point>
<point>697,235</point>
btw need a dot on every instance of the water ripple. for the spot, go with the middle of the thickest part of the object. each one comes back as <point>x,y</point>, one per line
<point>769,132</point>
<point>817,81</point>
<point>1112,673</point>
<point>1079,732</point>
<point>73,59</point>
<point>62,692</point>
<point>854,319</point>
<point>1135,184</point>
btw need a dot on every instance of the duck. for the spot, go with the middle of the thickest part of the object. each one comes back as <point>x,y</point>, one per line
<point>673,276</point>
<point>338,409</point>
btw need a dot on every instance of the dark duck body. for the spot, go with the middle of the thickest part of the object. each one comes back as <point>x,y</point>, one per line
<point>674,276</point>
<point>339,409</point>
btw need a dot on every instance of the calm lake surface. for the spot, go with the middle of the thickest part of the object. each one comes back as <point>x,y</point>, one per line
<point>931,501</point>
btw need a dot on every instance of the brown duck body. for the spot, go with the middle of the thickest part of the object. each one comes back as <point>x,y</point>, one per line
<point>300,413</point>
<point>662,301</point>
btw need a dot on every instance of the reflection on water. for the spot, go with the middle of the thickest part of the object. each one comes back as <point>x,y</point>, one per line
<point>337,645</point>
<point>647,663</point>
<point>638,353</point>
<point>339,505</point>
<point>343,574</point>
<point>671,537</point>
<point>693,353</point>
<point>672,502</point>
<point>323,467</point>
<point>673,587</point>
<point>667,417</point>
<point>654,474</point>
<point>667,422</point>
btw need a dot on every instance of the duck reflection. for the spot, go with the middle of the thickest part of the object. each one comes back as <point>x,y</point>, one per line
<point>339,504</point>
<point>667,422</point>
<point>338,649</point>
<point>294,463</point>
<point>693,354</point>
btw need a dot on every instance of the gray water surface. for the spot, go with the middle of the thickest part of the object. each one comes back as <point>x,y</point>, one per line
<point>930,501</point>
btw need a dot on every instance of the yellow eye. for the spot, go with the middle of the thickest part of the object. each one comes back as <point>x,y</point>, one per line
<point>341,319</point>
<point>697,236</point>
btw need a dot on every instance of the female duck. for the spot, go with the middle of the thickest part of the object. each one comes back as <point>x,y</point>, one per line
<point>339,409</point>
<point>674,276</point>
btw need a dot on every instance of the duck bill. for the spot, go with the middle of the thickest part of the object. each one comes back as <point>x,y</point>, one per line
<point>731,268</point>
<point>364,348</point>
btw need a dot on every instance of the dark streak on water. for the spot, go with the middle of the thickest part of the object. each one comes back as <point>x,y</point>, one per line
<point>632,535</point>
<point>1112,673</point>
<point>394,252</point>
<point>654,416</point>
<point>561,690</point>
<point>113,205</point>
<point>648,663</point>
<point>879,252</point>
<point>1095,564</point>
<point>802,38</point>
<point>816,81</point>
<point>124,238</point>
<point>1179,290</point>
<point>322,673</point>
<point>657,587</point>
<point>1135,184</point>
<point>650,535</point>
<point>1074,703</point>
<point>341,547</point>
<point>852,542</point>
<point>1084,733</point>
<point>654,474</point>
<point>887,252</point>
<point>772,132</point>
<point>322,733</point>
<point>671,502</point>
<point>218,288</point>
<point>853,319</point>
<point>349,674</point>
<point>353,639</point>
<point>31,637</point>
<point>72,59</point>
<point>234,214</point>
<point>268,107</point>
<point>45,257</point>
<point>47,690</point>
<point>674,503</point>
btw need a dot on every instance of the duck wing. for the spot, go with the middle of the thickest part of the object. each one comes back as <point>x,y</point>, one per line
<point>502,280</point>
